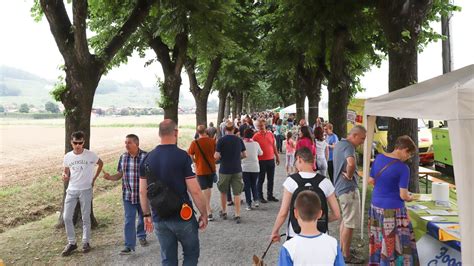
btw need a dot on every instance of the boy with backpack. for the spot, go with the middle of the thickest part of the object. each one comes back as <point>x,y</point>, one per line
<point>305,179</point>
<point>310,246</point>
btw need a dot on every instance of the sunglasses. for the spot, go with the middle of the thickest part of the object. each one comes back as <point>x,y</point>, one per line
<point>78,143</point>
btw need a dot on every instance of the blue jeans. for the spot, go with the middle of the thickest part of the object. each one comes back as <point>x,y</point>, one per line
<point>174,230</point>
<point>129,231</point>
<point>267,168</point>
<point>250,186</point>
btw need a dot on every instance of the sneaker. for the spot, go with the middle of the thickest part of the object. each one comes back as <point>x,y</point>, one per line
<point>230,203</point>
<point>237,219</point>
<point>143,242</point>
<point>249,207</point>
<point>68,250</point>
<point>210,218</point>
<point>257,204</point>
<point>86,248</point>
<point>223,215</point>
<point>272,199</point>
<point>126,251</point>
<point>353,260</point>
<point>262,200</point>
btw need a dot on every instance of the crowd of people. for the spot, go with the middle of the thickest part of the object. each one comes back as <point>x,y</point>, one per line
<point>162,187</point>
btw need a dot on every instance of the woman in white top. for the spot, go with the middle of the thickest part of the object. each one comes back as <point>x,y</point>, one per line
<point>322,151</point>
<point>251,168</point>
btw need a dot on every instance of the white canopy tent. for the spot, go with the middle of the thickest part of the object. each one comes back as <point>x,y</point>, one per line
<point>292,108</point>
<point>288,110</point>
<point>448,97</point>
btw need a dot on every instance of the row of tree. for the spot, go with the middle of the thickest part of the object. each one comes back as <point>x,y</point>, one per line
<point>256,54</point>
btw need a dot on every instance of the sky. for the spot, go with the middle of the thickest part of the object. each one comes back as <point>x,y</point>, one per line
<point>30,46</point>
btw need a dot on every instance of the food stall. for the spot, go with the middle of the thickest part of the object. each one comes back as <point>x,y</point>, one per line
<point>448,97</point>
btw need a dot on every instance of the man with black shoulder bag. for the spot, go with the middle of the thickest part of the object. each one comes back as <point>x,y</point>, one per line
<point>166,178</point>
<point>202,151</point>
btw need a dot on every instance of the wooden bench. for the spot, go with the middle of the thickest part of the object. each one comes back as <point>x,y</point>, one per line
<point>429,174</point>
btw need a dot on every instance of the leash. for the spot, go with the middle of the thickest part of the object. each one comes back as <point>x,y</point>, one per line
<point>269,245</point>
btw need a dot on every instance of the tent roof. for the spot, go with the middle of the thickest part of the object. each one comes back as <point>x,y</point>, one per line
<point>289,109</point>
<point>446,97</point>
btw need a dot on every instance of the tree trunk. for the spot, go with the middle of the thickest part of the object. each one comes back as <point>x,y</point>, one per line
<point>222,106</point>
<point>227,106</point>
<point>170,96</point>
<point>238,102</point>
<point>300,97</point>
<point>338,101</point>
<point>201,110</point>
<point>403,67</point>
<point>397,17</point>
<point>311,80</point>
<point>234,106</point>
<point>338,82</point>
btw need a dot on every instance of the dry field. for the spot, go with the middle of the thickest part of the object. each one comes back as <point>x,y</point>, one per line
<point>32,149</point>
<point>31,153</point>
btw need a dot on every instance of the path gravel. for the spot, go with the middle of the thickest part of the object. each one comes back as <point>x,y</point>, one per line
<point>227,243</point>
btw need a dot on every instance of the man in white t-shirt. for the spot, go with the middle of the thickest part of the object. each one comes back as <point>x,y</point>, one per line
<point>79,166</point>
<point>304,162</point>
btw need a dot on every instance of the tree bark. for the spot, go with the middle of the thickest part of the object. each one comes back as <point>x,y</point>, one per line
<point>397,17</point>
<point>83,70</point>
<point>222,101</point>
<point>233,105</point>
<point>172,62</point>
<point>310,80</point>
<point>338,82</point>
<point>239,97</point>
<point>300,97</point>
<point>227,106</point>
<point>338,101</point>
<point>201,94</point>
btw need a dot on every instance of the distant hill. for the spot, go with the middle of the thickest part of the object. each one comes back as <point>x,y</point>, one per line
<point>18,86</point>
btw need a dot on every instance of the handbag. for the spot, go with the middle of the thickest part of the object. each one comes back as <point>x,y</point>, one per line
<point>214,176</point>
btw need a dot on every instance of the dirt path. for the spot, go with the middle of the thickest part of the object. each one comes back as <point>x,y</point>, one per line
<point>223,242</point>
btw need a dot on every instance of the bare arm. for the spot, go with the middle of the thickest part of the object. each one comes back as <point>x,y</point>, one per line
<point>335,213</point>
<point>350,168</point>
<point>143,195</point>
<point>405,195</point>
<point>243,155</point>
<point>115,177</point>
<point>275,151</point>
<point>99,169</point>
<point>195,192</point>
<point>217,155</point>
<point>198,199</point>
<point>327,153</point>
<point>282,214</point>
<point>66,174</point>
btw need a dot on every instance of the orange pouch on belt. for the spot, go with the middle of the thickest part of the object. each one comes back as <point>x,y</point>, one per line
<point>186,212</point>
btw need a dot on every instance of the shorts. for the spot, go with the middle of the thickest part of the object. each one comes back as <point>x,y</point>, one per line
<point>350,207</point>
<point>205,181</point>
<point>230,180</point>
<point>290,160</point>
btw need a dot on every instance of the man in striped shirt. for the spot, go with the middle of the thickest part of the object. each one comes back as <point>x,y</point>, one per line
<point>129,170</point>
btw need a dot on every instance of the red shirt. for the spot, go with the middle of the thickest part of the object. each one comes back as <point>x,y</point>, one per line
<point>266,140</point>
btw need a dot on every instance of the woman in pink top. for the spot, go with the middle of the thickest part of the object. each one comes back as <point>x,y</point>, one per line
<point>305,140</point>
<point>290,153</point>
